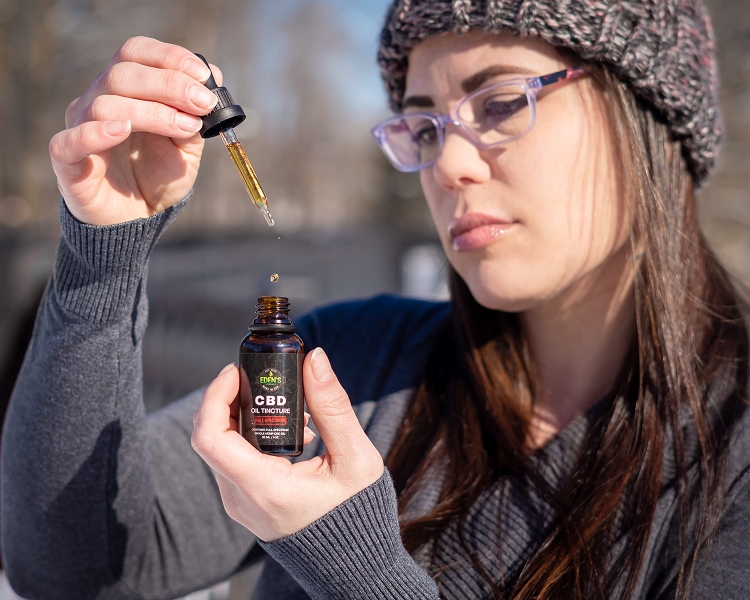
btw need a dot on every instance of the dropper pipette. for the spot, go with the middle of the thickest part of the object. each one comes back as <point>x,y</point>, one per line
<point>221,121</point>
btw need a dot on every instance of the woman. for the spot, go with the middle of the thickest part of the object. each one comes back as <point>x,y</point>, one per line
<point>573,425</point>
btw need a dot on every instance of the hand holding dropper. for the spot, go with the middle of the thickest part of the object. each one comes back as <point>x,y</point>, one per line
<point>221,121</point>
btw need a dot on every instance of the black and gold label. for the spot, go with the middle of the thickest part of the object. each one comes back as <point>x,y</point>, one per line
<point>271,399</point>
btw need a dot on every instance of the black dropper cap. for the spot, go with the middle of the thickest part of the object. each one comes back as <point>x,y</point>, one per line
<point>225,114</point>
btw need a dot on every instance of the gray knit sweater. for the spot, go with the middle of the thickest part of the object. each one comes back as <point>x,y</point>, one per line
<point>99,501</point>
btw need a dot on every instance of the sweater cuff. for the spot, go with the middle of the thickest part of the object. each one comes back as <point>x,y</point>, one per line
<point>355,551</point>
<point>99,269</point>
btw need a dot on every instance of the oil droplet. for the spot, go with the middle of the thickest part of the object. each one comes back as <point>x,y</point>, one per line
<point>274,277</point>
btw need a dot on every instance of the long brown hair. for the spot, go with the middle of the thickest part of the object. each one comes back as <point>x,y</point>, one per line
<point>472,410</point>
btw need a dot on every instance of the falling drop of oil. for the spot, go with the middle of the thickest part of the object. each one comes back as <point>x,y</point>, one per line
<point>274,277</point>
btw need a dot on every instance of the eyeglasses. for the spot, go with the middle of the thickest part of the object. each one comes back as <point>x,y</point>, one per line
<point>490,116</point>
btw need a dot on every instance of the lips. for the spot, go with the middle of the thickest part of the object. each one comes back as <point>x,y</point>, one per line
<point>476,230</point>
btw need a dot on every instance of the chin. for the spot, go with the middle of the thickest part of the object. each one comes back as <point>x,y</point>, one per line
<point>506,298</point>
<point>506,284</point>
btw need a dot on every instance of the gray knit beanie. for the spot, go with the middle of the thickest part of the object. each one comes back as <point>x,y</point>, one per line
<point>663,49</point>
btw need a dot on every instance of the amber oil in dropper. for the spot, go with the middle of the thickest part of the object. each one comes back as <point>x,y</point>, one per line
<point>222,120</point>
<point>247,173</point>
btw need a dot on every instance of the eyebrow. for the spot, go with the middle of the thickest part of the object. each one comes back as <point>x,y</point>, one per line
<point>469,84</point>
<point>474,82</point>
<point>418,102</point>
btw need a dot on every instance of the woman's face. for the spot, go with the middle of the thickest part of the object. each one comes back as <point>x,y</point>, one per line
<point>536,219</point>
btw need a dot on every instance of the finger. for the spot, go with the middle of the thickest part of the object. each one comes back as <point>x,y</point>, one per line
<point>151,117</point>
<point>218,75</point>
<point>167,86</point>
<point>309,436</point>
<point>160,55</point>
<point>70,148</point>
<point>216,406</point>
<point>214,438</point>
<point>330,407</point>
<point>149,53</point>
<point>154,53</point>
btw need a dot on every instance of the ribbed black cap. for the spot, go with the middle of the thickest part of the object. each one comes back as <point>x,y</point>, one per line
<point>225,114</point>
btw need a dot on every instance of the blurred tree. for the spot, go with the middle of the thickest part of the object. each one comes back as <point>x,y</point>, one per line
<point>50,51</point>
<point>25,76</point>
<point>314,158</point>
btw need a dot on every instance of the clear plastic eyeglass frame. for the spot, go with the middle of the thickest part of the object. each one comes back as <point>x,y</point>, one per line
<point>530,86</point>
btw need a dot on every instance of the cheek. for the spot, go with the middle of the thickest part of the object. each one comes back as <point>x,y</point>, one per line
<point>575,208</point>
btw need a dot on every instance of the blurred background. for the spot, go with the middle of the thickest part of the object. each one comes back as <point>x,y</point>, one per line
<point>347,224</point>
<point>304,72</point>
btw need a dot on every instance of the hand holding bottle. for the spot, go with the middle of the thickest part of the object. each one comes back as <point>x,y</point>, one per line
<point>270,496</point>
<point>131,146</point>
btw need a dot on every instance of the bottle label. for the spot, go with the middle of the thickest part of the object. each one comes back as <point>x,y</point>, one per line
<point>271,399</point>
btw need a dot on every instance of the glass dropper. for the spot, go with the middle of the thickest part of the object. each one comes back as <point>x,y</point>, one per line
<point>221,121</point>
<point>249,178</point>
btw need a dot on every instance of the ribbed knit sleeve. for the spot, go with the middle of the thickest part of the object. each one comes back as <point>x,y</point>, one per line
<point>100,501</point>
<point>355,551</point>
<point>99,270</point>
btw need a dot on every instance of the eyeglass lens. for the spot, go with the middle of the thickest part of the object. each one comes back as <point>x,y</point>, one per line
<point>491,116</point>
<point>496,114</point>
<point>413,139</point>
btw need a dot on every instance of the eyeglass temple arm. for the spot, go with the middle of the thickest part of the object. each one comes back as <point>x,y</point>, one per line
<point>570,73</point>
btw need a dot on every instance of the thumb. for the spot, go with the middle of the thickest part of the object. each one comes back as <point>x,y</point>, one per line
<point>331,410</point>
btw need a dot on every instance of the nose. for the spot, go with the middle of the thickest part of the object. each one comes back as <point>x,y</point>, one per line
<point>460,162</point>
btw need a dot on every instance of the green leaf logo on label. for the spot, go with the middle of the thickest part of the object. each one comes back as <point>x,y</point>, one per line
<point>270,380</point>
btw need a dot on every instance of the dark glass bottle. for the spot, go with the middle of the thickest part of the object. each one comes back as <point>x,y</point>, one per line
<point>271,393</point>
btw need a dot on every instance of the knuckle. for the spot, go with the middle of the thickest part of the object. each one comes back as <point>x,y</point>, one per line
<point>161,114</point>
<point>173,56</point>
<point>107,82</point>
<point>201,442</point>
<point>129,48</point>
<point>99,109</point>
<point>334,404</point>
<point>171,81</point>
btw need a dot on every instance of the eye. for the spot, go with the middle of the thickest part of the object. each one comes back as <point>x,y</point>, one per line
<point>503,106</point>
<point>425,134</point>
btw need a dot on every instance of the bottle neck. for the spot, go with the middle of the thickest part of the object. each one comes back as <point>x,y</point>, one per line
<point>272,310</point>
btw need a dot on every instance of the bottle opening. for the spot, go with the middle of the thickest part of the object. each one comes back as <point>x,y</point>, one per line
<point>272,310</point>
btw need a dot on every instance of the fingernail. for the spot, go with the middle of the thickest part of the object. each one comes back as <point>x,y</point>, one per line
<point>188,122</point>
<point>226,369</point>
<point>202,97</point>
<point>116,127</point>
<point>321,368</point>
<point>310,431</point>
<point>196,69</point>
<point>307,414</point>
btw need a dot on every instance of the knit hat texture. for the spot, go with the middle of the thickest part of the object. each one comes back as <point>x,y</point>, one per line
<point>663,49</point>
